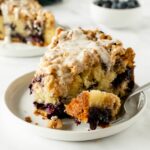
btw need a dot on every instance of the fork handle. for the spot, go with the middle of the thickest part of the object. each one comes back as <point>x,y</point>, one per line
<point>140,89</point>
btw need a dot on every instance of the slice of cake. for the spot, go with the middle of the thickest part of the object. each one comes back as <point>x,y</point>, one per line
<point>79,60</point>
<point>95,107</point>
<point>25,21</point>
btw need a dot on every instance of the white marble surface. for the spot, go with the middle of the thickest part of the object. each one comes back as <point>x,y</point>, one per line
<point>76,13</point>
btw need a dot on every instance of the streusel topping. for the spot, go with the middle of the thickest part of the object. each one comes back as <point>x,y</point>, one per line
<point>74,49</point>
<point>72,54</point>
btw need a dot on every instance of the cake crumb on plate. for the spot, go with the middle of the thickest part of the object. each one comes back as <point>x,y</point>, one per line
<point>55,123</point>
<point>28,119</point>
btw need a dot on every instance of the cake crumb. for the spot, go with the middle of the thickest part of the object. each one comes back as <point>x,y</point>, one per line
<point>38,112</point>
<point>28,119</point>
<point>44,118</point>
<point>55,123</point>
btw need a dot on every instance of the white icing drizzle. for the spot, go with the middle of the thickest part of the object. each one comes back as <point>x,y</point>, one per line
<point>71,51</point>
<point>76,47</point>
<point>16,13</point>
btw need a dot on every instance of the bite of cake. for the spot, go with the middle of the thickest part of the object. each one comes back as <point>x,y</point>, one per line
<point>95,107</point>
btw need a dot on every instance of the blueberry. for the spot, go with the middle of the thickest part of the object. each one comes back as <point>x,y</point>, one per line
<point>107,4</point>
<point>99,3</point>
<point>114,5</point>
<point>127,75</point>
<point>122,5</point>
<point>115,1</point>
<point>30,88</point>
<point>137,4</point>
<point>99,117</point>
<point>48,2</point>
<point>131,4</point>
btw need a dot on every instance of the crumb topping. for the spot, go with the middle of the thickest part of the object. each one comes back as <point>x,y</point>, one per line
<point>55,123</point>
<point>78,50</point>
<point>73,52</point>
<point>28,119</point>
<point>22,8</point>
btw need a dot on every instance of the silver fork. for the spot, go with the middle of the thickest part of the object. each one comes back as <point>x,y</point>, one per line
<point>124,109</point>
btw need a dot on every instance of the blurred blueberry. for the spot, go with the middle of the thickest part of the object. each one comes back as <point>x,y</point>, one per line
<point>99,2</point>
<point>131,4</point>
<point>114,5</point>
<point>137,4</point>
<point>116,1</point>
<point>118,4</point>
<point>107,4</point>
<point>122,5</point>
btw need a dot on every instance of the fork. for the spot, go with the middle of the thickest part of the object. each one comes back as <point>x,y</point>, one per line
<point>124,108</point>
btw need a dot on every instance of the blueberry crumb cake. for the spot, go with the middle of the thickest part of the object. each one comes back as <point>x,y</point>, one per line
<point>80,63</point>
<point>25,22</point>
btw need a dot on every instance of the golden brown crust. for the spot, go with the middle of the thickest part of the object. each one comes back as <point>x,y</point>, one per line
<point>78,107</point>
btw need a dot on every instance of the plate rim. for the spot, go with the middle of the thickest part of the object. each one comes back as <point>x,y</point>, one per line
<point>29,51</point>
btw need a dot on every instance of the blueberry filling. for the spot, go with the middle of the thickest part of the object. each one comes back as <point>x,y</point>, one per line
<point>35,79</point>
<point>77,122</point>
<point>35,32</point>
<point>30,88</point>
<point>52,110</point>
<point>130,86</point>
<point>104,66</point>
<point>20,37</point>
<point>127,75</point>
<point>99,117</point>
<point>11,26</point>
<point>31,38</point>
<point>38,79</point>
<point>35,38</point>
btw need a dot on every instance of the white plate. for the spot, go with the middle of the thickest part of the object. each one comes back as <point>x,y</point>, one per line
<point>20,50</point>
<point>19,104</point>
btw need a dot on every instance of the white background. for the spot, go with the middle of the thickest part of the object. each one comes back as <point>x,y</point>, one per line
<point>76,13</point>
